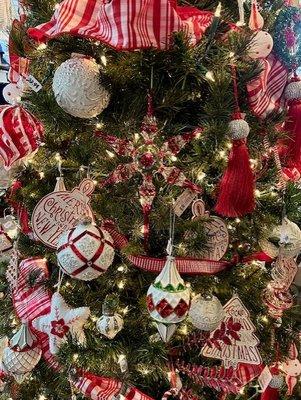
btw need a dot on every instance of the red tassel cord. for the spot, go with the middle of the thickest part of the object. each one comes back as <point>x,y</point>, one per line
<point>236,194</point>
<point>292,126</point>
<point>236,190</point>
<point>270,394</point>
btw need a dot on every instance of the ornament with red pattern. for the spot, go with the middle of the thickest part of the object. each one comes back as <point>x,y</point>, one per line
<point>149,157</point>
<point>20,134</point>
<point>86,251</point>
<point>61,321</point>
<point>168,299</point>
<point>22,354</point>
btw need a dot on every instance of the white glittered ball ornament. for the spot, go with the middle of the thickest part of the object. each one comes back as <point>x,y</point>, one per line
<point>277,381</point>
<point>261,45</point>
<point>238,128</point>
<point>77,88</point>
<point>22,354</point>
<point>206,312</point>
<point>293,90</point>
<point>86,251</point>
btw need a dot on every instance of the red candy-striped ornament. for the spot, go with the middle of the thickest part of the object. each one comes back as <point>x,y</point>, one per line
<point>86,251</point>
<point>20,134</point>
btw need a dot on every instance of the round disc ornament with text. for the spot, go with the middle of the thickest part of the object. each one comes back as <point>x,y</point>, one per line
<point>60,211</point>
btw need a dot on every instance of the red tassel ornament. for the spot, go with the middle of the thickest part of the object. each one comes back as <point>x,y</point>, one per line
<point>292,125</point>
<point>236,192</point>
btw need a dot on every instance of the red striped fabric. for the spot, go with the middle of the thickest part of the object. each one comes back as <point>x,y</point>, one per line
<point>20,134</point>
<point>124,25</point>
<point>265,92</point>
<point>189,266</point>
<point>99,388</point>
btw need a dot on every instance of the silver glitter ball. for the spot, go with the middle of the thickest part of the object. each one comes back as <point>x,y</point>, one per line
<point>293,91</point>
<point>277,382</point>
<point>77,88</point>
<point>239,129</point>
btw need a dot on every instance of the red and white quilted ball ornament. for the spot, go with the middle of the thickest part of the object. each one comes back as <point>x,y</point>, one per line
<point>168,299</point>
<point>22,354</point>
<point>86,251</point>
<point>20,134</point>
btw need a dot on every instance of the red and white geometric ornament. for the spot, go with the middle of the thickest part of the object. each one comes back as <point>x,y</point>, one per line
<point>20,134</point>
<point>168,299</point>
<point>86,251</point>
<point>62,320</point>
<point>60,211</point>
<point>243,347</point>
<point>22,354</point>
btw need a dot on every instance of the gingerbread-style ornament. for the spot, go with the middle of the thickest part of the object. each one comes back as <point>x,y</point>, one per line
<point>215,230</point>
<point>60,211</point>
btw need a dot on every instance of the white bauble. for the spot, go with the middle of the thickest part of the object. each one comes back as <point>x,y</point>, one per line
<point>109,325</point>
<point>239,129</point>
<point>261,45</point>
<point>22,354</point>
<point>85,252</point>
<point>206,312</point>
<point>293,90</point>
<point>12,93</point>
<point>77,88</point>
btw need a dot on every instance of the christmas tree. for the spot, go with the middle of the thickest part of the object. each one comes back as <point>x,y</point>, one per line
<point>151,160</point>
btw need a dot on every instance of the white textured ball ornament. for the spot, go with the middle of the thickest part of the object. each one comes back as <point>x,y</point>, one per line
<point>261,45</point>
<point>77,88</point>
<point>239,129</point>
<point>293,91</point>
<point>85,252</point>
<point>277,381</point>
<point>206,312</point>
<point>12,93</point>
<point>110,325</point>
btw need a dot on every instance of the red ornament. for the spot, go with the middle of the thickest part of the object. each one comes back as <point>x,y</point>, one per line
<point>20,134</point>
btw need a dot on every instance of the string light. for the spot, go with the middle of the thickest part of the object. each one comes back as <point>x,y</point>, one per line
<point>75,357</point>
<point>121,268</point>
<point>42,397</point>
<point>218,10</point>
<point>110,154</point>
<point>125,310</point>
<point>237,220</point>
<point>173,158</point>
<point>99,125</point>
<point>42,46</point>
<point>42,174</point>
<point>103,59</point>
<point>209,76</point>
<point>264,319</point>
<point>201,176</point>
<point>257,193</point>
<point>184,330</point>
<point>121,284</point>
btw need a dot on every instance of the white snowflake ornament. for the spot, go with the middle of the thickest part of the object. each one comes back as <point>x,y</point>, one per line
<point>62,320</point>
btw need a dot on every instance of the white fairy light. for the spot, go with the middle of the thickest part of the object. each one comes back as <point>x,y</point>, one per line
<point>110,154</point>
<point>218,10</point>
<point>209,76</point>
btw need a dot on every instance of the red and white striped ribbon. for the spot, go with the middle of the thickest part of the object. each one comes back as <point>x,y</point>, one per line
<point>265,91</point>
<point>125,25</point>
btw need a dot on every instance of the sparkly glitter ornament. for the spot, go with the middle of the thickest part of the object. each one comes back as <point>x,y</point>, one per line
<point>293,90</point>
<point>206,312</point>
<point>168,299</point>
<point>86,251</point>
<point>22,354</point>
<point>77,88</point>
<point>110,323</point>
<point>239,129</point>
<point>277,381</point>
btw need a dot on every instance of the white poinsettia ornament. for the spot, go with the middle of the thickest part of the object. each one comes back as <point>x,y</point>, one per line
<point>61,321</point>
